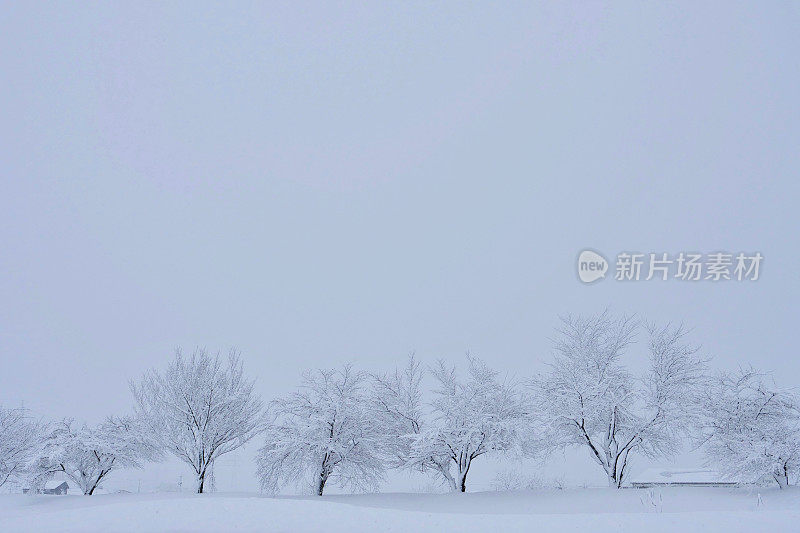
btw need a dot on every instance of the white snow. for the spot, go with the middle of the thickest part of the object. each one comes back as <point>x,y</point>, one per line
<point>598,510</point>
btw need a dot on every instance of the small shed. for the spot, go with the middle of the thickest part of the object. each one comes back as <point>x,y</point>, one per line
<point>61,488</point>
<point>680,477</point>
<point>56,486</point>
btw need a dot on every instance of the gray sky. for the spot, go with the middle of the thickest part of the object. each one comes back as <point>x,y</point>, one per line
<point>318,183</point>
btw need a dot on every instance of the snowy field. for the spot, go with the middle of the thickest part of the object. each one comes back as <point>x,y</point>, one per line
<point>586,510</point>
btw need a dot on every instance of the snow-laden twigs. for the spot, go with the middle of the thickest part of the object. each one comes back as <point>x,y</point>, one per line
<point>751,429</point>
<point>86,455</point>
<point>398,408</point>
<point>200,408</point>
<point>20,442</point>
<point>470,418</point>
<point>324,432</point>
<point>590,399</point>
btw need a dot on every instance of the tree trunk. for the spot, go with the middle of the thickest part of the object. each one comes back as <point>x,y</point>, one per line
<point>781,476</point>
<point>462,478</point>
<point>95,484</point>
<point>200,480</point>
<point>323,478</point>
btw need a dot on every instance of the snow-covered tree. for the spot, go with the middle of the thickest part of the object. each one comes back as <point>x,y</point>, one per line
<point>588,398</point>
<point>20,440</point>
<point>470,418</point>
<point>325,432</point>
<point>86,455</point>
<point>751,429</point>
<point>200,408</point>
<point>401,414</point>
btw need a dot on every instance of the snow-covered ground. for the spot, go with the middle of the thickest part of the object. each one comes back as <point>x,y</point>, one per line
<point>587,510</point>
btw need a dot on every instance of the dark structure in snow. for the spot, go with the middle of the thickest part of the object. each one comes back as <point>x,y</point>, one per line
<point>660,477</point>
<point>58,489</point>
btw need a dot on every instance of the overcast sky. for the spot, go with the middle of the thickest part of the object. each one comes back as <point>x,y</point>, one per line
<point>316,183</point>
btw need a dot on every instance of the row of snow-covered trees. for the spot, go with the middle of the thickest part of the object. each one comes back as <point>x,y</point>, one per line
<point>349,427</point>
<point>201,407</point>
